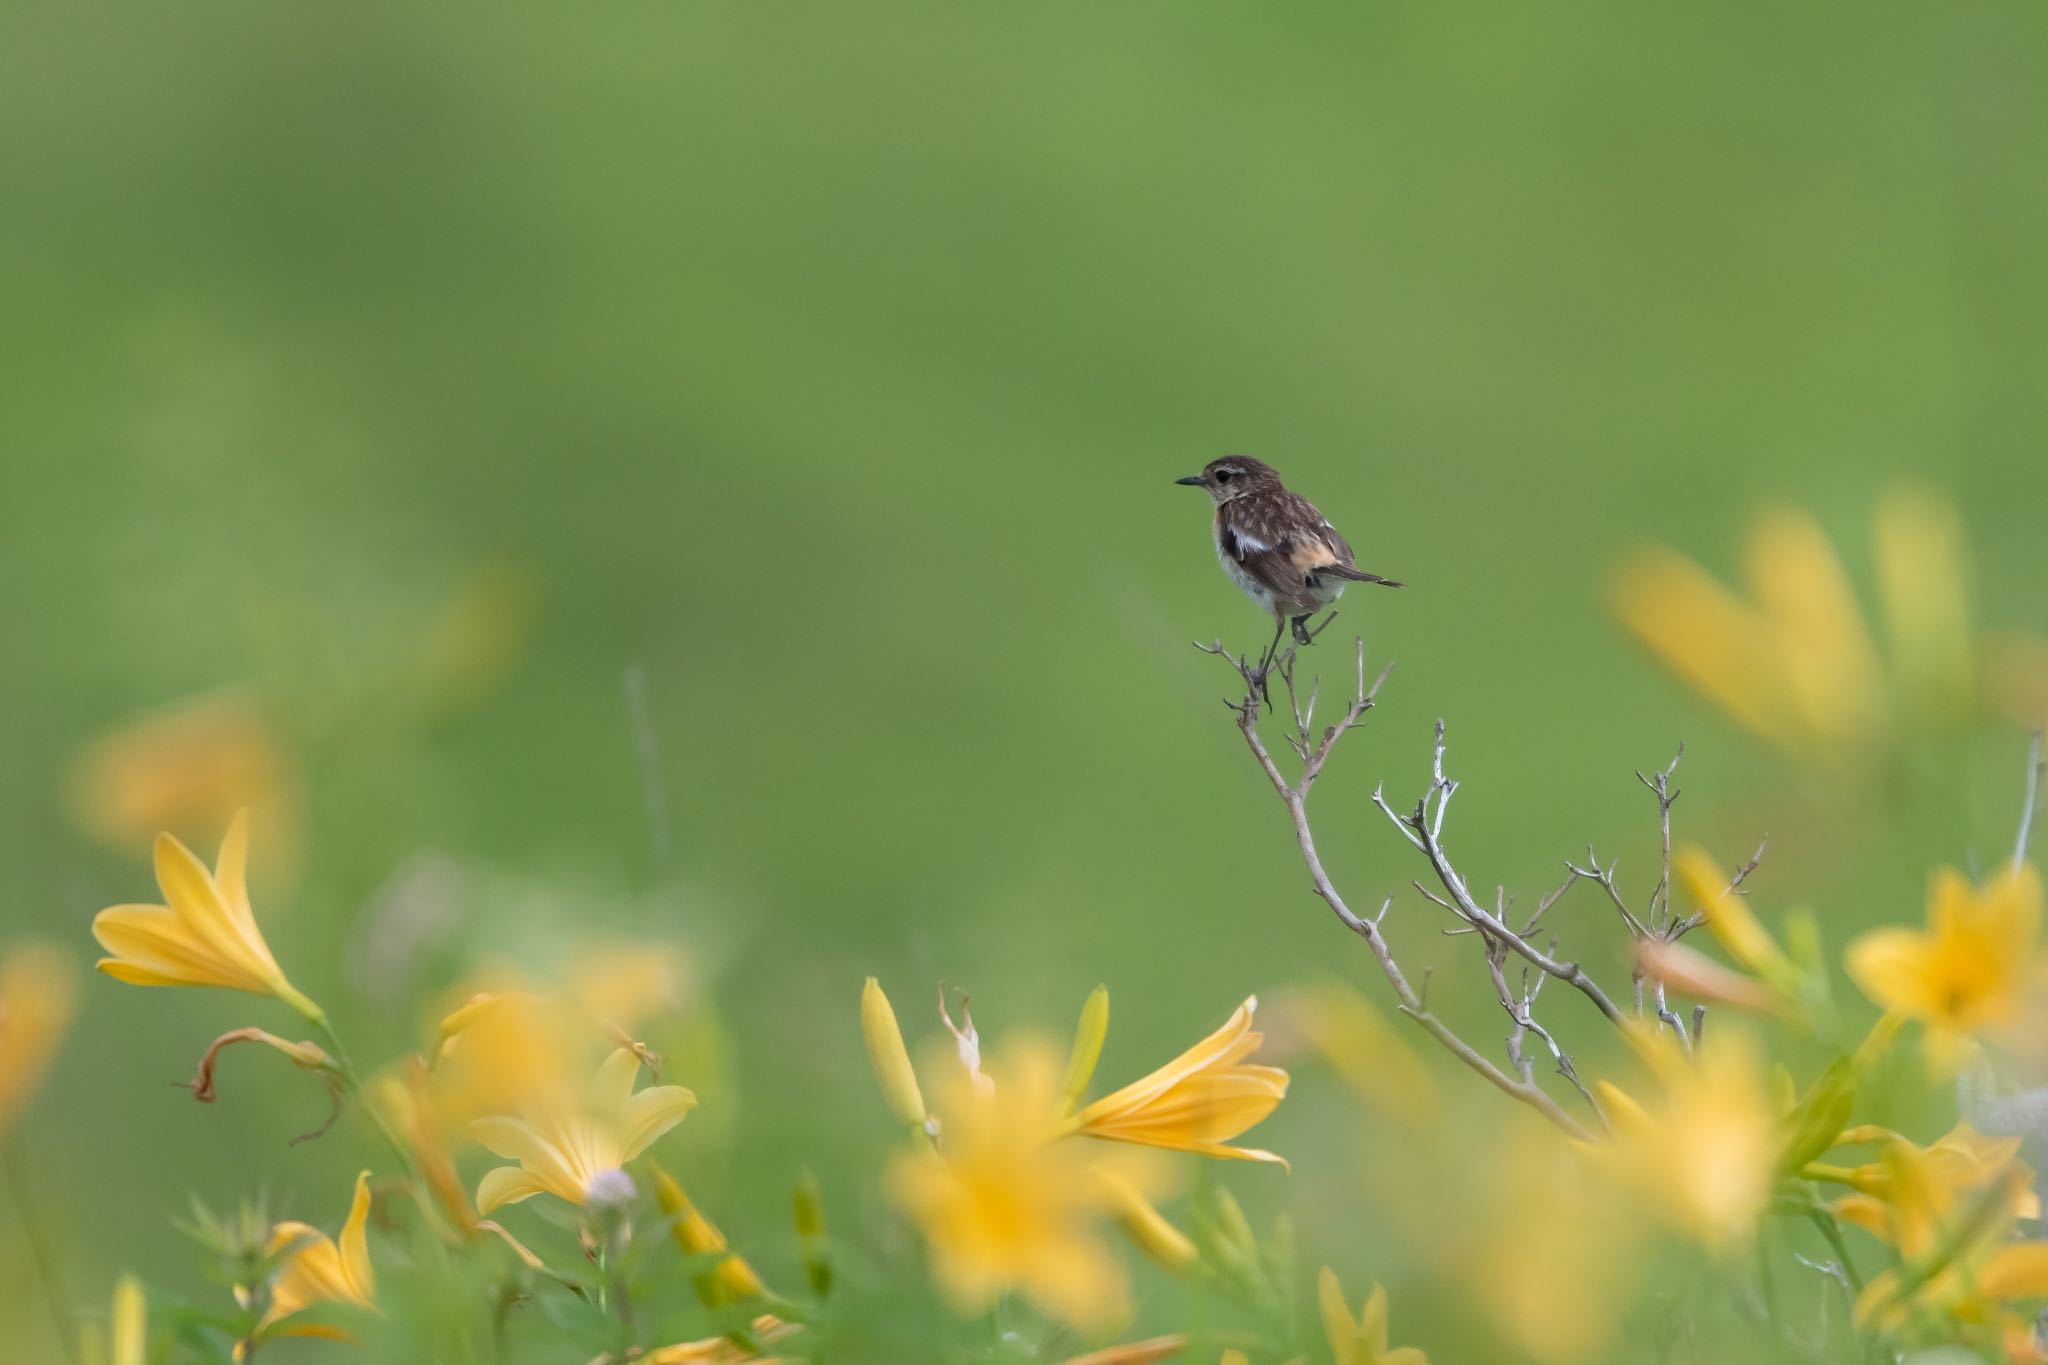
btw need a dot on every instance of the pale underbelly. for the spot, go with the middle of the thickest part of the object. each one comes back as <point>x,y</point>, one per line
<point>1315,593</point>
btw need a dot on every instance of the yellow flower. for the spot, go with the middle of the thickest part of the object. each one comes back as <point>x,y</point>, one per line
<point>731,1278</point>
<point>37,996</point>
<point>1970,972</point>
<point>1910,1193</point>
<point>1360,1341</point>
<point>1950,1210</point>
<point>890,1060</point>
<point>1794,662</point>
<point>322,1270</point>
<point>187,767</point>
<point>1003,1207</point>
<point>1705,1149</point>
<point>497,1050</point>
<point>205,935</point>
<point>565,1149</point>
<point>1198,1101</point>
<point>1553,1250</point>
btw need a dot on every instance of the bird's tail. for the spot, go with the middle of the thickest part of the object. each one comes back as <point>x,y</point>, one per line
<point>1358,576</point>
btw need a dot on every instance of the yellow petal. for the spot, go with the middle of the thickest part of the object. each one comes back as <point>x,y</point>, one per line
<point>1372,1321</point>
<point>1729,918</point>
<point>1714,641</point>
<point>1338,1326</point>
<point>1923,584</point>
<point>151,947</point>
<point>1891,966</point>
<point>614,1083</point>
<point>38,991</point>
<point>651,1113</point>
<point>1079,1282</point>
<point>2019,1271</point>
<point>509,1185</point>
<point>1818,627</point>
<point>231,875</point>
<point>355,1244</point>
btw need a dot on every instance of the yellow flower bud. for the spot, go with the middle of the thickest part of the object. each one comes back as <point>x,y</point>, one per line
<point>1088,1036</point>
<point>1145,1225</point>
<point>731,1278</point>
<point>887,1055</point>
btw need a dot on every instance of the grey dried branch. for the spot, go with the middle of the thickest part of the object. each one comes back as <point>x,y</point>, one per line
<point>1603,877</point>
<point>1660,786</point>
<point>1423,827</point>
<point>1314,753</point>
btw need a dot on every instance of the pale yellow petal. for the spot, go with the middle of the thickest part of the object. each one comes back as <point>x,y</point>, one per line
<point>1079,1282</point>
<point>1891,967</point>
<point>508,1185</point>
<point>513,1139</point>
<point>1818,626</point>
<point>231,874</point>
<point>1338,1326</point>
<point>1714,641</point>
<point>1923,584</point>
<point>1372,1321</point>
<point>651,1113</point>
<point>614,1083</point>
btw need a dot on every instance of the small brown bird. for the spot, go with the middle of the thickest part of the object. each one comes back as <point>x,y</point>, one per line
<point>1275,544</point>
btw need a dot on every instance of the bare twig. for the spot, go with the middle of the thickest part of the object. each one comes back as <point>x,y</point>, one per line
<point>1423,827</point>
<point>1660,786</point>
<point>1315,752</point>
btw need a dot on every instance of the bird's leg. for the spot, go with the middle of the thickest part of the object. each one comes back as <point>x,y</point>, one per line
<point>1266,659</point>
<point>1301,635</point>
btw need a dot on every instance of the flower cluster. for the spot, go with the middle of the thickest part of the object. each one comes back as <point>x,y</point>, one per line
<point>1729,1146</point>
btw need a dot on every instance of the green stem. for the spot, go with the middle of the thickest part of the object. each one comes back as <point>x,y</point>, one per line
<point>39,1248</point>
<point>352,1088</point>
<point>1833,1175</point>
<point>1832,1230</point>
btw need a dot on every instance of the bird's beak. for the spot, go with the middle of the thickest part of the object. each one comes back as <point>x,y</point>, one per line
<point>1196,479</point>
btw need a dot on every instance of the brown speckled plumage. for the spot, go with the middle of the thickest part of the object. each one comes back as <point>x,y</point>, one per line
<point>1274,544</point>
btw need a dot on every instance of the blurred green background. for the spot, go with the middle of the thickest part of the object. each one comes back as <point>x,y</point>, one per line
<point>830,366</point>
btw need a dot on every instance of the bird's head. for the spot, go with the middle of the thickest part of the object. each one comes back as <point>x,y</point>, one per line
<point>1233,476</point>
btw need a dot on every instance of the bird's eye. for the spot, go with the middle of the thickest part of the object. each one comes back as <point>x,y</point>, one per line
<point>1223,475</point>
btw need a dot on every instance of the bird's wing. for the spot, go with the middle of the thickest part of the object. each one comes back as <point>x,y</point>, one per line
<point>1281,541</point>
